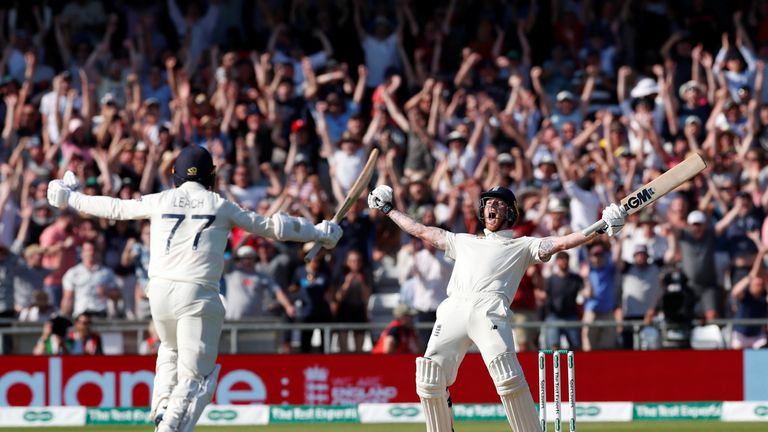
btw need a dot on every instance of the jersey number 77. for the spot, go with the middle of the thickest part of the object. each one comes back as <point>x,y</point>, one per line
<point>179,219</point>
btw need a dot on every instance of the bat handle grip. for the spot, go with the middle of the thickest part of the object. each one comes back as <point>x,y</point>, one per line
<point>312,252</point>
<point>595,227</point>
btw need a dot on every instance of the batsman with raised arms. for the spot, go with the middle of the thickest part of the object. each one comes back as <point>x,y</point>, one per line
<point>189,227</point>
<point>485,276</point>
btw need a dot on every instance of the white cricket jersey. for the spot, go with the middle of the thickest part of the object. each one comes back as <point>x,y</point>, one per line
<point>189,229</point>
<point>492,264</point>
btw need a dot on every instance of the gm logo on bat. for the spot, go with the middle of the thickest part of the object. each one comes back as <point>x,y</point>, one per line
<point>639,198</point>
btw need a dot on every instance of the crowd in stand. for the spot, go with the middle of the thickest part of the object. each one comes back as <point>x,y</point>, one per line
<point>571,104</point>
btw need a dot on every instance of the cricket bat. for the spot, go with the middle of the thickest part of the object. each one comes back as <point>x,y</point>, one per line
<point>658,187</point>
<point>352,196</point>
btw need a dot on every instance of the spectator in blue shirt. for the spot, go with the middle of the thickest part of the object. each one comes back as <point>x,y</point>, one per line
<point>601,298</point>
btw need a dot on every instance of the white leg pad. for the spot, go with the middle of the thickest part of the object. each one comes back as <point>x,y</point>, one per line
<point>430,386</point>
<point>165,380</point>
<point>189,399</point>
<point>515,395</point>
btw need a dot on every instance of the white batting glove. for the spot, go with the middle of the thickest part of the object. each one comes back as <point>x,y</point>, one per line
<point>70,180</point>
<point>58,194</point>
<point>328,234</point>
<point>381,198</point>
<point>614,216</point>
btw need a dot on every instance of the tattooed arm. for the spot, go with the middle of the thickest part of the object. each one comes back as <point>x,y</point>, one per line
<point>552,245</point>
<point>432,235</point>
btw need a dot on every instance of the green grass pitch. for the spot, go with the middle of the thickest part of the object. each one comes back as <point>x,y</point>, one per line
<point>677,426</point>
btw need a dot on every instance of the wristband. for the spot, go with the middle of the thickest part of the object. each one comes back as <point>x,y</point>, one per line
<point>386,208</point>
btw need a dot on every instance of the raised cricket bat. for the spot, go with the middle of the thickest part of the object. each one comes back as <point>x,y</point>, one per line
<point>352,196</point>
<point>657,188</point>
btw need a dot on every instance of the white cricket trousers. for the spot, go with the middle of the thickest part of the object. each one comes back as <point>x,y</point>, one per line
<point>188,318</point>
<point>484,319</point>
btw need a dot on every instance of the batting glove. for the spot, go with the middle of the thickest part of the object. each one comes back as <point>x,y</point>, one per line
<point>614,216</point>
<point>70,180</point>
<point>58,194</point>
<point>381,198</point>
<point>328,234</point>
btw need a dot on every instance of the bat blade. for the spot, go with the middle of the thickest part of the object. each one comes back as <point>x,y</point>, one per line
<point>657,188</point>
<point>352,196</point>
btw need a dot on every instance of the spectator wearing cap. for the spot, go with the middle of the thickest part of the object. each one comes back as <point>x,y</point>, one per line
<point>694,103</point>
<point>464,152</point>
<point>728,117</point>
<point>399,337</point>
<point>34,158</point>
<point>582,189</point>
<point>87,285</point>
<point>501,170</point>
<point>600,305</point>
<point>557,218</point>
<point>735,226</point>
<point>294,54</point>
<point>247,290</point>
<point>30,276</point>
<point>301,145</point>
<point>736,63</point>
<point>567,108</point>
<point>561,290</point>
<point>334,112</point>
<point>644,232</point>
<point>545,174</point>
<point>640,291</point>
<point>645,111</point>
<point>41,217</point>
<point>380,46</point>
<point>155,86</point>
<point>696,245</point>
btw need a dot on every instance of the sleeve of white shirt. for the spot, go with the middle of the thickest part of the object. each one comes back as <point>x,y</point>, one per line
<point>66,281</point>
<point>248,220</point>
<point>113,208</point>
<point>450,245</point>
<point>534,245</point>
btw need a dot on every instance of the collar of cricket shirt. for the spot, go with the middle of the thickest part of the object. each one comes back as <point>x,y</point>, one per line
<point>506,234</point>
<point>191,185</point>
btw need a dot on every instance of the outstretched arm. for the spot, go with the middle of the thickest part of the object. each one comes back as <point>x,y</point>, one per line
<point>549,246</point>
<point>435,236</point>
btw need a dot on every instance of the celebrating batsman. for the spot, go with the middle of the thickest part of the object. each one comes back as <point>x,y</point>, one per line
<point>485,277</point>
<point>189,226</point>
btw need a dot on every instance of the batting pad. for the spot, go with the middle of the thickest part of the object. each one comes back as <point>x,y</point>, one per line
<point>515,395</point>
<point>188,401</point>
<point>430,386</point>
